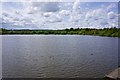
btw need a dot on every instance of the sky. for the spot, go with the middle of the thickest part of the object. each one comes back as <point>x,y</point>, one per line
<point>58,15</point>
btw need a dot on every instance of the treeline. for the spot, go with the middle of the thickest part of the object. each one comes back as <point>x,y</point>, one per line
<point>111,32</point>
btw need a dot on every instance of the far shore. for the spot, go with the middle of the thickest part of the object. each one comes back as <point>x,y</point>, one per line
<point>109,32</point>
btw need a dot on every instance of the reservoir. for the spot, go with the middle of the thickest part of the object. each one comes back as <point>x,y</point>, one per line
<point>58,56</point>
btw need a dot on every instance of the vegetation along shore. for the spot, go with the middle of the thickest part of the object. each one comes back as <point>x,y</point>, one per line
<point>110,32</point>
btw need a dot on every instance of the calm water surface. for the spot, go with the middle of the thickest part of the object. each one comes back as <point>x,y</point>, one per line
<point>59,56</point>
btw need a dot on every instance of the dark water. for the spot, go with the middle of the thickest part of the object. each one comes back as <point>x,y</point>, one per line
<point>59,56</point>
<point>0,57</point>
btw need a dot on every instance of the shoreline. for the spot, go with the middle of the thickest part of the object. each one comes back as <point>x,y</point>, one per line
<point>61,35</point>
<point>106,32</point>
<point>114,75</point>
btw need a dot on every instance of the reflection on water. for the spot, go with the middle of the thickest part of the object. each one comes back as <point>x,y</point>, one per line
<point>58,56</point>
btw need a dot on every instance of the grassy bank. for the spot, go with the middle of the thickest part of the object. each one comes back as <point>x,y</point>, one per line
<point>111,32</point>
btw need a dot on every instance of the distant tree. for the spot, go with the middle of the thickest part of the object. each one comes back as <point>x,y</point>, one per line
<point>66,29</point>
<point>77,29</point>
<point>71,29</point>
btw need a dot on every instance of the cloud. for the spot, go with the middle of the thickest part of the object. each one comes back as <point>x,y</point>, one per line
<point>76,6</point>
<point>46,6</point>
<point>103,22</point>
<point>96,14</point>
<point>76,12</point>
<point>111,7</point>
<point>7,18</point>
<point>66,6</point>
<point>99,13</point>
<point>0,10</point>
<point>74,18</point>
<point>88,15</point>
<point>51,14</point>
<point>101,17</point>
<point>111,15</point>
<point>64,12</point>
<point>47,14</point>
<point>54,18</point>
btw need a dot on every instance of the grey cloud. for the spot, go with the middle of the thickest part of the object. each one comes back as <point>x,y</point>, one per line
<point>4,14</point>
<point>55,19</point>
<point>103,22</point>
<point>66,6</point>
<point>111,7</point>
<point>111,15</point>
<point>52,17</point>
<point>46,6</point>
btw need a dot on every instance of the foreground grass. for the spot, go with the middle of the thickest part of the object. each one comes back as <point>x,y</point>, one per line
<point>110,32</point>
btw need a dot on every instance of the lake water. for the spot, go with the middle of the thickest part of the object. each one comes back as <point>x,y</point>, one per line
<point>59,56</point>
